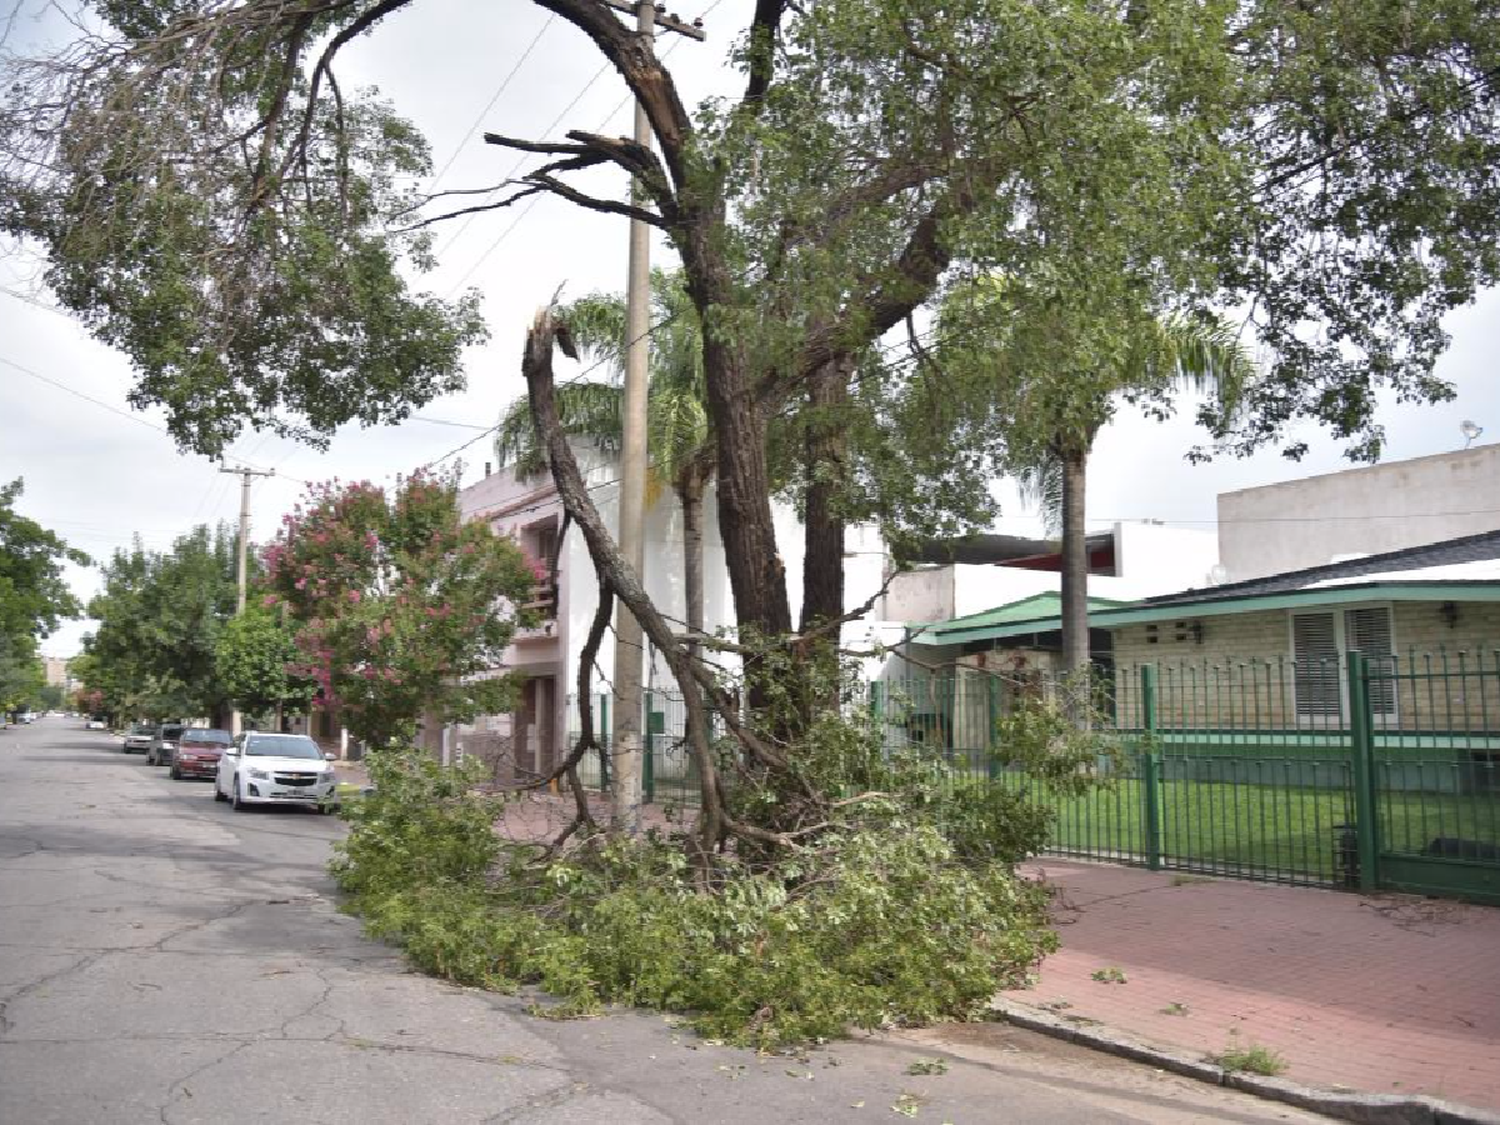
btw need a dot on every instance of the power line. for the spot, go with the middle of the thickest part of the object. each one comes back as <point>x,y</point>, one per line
<point>517,167</point>
<point>505,82</point>
<point>24,370</point>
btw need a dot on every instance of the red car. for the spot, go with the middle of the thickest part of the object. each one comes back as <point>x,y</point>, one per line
<point>197,753</point>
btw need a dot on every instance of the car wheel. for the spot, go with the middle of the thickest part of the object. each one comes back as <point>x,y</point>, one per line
<point>175,774</point>
<point>239,800</point>
<point>218,795</point>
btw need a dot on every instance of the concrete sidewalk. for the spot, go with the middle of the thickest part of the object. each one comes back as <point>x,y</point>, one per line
<point>1389,995</point>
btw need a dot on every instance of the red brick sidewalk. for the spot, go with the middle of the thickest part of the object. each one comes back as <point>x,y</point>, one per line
<point>1387,995</point>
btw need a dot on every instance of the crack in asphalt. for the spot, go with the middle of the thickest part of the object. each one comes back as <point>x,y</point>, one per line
<point>178,1089</point>
<point>7,1024</point>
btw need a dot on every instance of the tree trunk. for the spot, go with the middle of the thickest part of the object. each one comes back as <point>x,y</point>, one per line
<point>823,561</point>
<point>756,573</point>
<point>1075,563</point>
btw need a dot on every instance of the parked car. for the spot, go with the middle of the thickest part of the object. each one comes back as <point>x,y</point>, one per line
<point>163,744</point>
<point>198,752</point>
<point>276,769</point>
<point>96,724</point>
<point>138,738</point>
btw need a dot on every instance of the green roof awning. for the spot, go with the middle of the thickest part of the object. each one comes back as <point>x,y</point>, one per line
<point>1011,621</point>
<point>1039,613</point>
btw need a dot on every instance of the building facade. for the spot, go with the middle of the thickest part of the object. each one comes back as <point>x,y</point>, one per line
<point>1371,510</point>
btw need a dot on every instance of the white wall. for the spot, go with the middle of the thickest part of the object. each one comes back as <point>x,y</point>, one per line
<point>1302,523</point>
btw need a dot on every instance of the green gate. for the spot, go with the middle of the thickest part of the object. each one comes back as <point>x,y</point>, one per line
<point>1425,731</point>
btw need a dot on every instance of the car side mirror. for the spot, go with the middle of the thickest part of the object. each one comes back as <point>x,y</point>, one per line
<point>330,757</point>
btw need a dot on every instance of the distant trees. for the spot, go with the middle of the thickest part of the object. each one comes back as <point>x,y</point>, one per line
<point>253,658</point>
<point>160,617</point>
<point>34,598</point>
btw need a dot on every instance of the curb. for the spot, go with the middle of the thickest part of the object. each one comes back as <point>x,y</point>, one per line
<point>1366,1109</point>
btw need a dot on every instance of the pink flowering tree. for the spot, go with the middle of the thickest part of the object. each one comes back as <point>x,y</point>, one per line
<point>401,607</point>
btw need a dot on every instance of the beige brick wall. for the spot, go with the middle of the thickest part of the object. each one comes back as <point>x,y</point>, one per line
<point>1216,683</point>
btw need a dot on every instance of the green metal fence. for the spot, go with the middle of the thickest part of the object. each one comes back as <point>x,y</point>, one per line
<point>1362,772</point>
<point>1378,772</point>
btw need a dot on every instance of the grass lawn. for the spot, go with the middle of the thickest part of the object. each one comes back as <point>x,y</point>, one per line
<point>1270,831</point>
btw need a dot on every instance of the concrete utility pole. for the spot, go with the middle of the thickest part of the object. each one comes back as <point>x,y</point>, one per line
<point>244,548</point>
<point>625,735</point>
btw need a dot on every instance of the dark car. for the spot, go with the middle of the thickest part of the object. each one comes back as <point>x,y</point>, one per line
<point>138,739</point>
<point>197,753</point>
<point>164,744</point>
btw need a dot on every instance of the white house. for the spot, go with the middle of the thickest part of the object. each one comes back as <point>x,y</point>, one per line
<point>532,512</point>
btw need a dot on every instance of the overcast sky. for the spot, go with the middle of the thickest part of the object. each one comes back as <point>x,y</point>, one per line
<point>99,477</point>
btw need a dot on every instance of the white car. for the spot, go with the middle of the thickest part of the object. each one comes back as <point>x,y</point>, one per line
<point>276,769</point>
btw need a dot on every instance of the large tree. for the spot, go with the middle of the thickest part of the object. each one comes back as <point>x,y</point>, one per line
<point>160,615</point>
<point>216,203</point>
<point>34,594</point>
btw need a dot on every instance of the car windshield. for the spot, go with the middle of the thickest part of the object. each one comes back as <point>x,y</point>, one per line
<point>142,728</point>
<point>205,736</point>
<point>170,732</point>
<point>282,746</point>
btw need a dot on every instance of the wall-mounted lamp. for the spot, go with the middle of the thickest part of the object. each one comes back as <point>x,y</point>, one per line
<point>1198,632</point>
<point>1448,611</point>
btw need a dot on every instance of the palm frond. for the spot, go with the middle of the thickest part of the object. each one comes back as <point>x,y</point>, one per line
<point>1041,487</point>
<point>597,323</point>
<point>585,410</point>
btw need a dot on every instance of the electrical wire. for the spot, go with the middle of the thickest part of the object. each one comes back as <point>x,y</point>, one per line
<point>504,84</point>
<point>24,370</point>
<point>504,234</point>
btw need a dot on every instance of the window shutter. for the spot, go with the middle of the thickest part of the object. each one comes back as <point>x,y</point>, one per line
<point>1369,630</point>
<point>1315,649</point>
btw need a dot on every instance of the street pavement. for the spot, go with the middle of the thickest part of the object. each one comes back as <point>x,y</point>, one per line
<point>164,959</point>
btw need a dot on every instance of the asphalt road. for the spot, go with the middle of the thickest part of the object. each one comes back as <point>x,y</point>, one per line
<point>166,960</point>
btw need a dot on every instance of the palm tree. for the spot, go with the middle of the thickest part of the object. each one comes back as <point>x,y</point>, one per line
<point>678,435</point>
<point>1202,353</point>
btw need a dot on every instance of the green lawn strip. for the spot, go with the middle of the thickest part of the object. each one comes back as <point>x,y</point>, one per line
<point>1258,829</point>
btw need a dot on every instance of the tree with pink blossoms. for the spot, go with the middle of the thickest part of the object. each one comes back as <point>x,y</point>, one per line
<point>401,607</point>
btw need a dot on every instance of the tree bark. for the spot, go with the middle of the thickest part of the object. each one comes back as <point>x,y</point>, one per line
<point>756,573</point>
<point>536,366</point>
<point>1075,562</point>
<point>825,449</point>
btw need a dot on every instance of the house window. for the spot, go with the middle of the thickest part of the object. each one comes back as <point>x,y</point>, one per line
<point>1319,643</point>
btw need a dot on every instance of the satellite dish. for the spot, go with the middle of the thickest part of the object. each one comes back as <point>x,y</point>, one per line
<point>1470,430</point>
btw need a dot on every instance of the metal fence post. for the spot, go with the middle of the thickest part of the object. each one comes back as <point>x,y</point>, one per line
<point>648,764</point>
<point>992,708</point>
<point>1150,770</point>
<point>604,729</point>
<point>1362,759</point>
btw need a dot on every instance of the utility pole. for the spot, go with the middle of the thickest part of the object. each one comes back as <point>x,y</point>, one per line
<point>625,735</point>
<point>244,549</point>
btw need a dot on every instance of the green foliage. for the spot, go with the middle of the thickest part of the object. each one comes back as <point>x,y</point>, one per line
<point>421,825</point>
<point>33,592</point>
<point>251,659</point>
<point>234,233</point>
<point>396,602</point>
<point>677,419</point>
<point>901,908</point>
<point>22,676</point>
<point>160,616</point>
<point>1252,1059</point>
